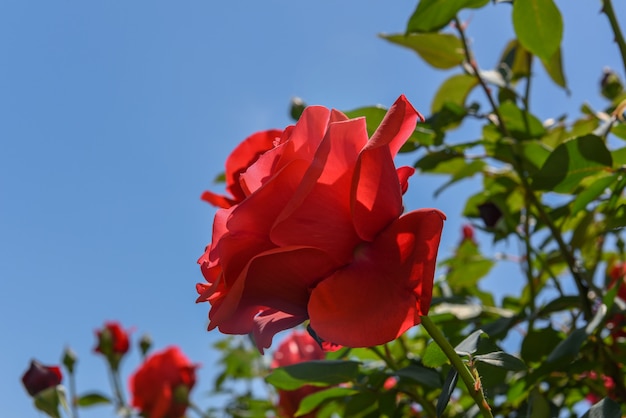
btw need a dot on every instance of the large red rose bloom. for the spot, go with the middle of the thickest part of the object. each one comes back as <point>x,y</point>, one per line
<point>314,229</point>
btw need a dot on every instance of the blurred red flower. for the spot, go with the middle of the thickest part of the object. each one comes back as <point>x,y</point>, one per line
<point>299,346</point>
<point>161,386</point>
<point>111,339</point>
<point>314,230</point>
<point>39,377</point>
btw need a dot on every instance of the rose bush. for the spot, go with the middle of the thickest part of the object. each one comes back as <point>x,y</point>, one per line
<point>314,230</point>
<point>161,385</point>
<point>296,348</point>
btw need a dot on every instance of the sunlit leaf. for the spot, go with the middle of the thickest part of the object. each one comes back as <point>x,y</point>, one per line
<point>571,162</point>
<point>539,26</point>
<point>437,49</point>
<point>591,192</point>
<point>554,68</point>
<point>455,90</point>
<point>432,15</point>
<point>519,123</point>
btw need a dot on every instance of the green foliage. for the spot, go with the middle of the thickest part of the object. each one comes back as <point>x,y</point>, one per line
<point>549,194</point>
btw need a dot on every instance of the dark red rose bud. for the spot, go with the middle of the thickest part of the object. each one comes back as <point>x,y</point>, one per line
<point>39,377</point>
<point>490,214</point>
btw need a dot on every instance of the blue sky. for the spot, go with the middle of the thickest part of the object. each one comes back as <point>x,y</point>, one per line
<point>115,116</point>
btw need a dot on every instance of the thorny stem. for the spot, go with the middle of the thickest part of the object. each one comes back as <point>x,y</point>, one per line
<point>607,9</point>
<point>466,375</point>
<point>472,63</point>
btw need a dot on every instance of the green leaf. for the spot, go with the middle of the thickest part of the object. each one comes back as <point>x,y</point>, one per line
<point>554,68</point>
<point>571,162</point>
<point>434,356</point>
<point>455,90</point>
<point>539,26</point>
<point>361,404</point>
<point>421,375</point>
<point>439,50</point>
<point>49,400</point>
<point>311,402</point>
<point>569,348</point>
<point>591,192</point>
<point>519,123</point>
<point>432,15</point>
<point>93,398</point>
<point>373,116</point>
<point>470,344</point>
<point>502,360</point>
<point>538,343</point>
<point>606,408</point>
<point>315,373</point>
<point>515,60</point>
<point>446,392</point>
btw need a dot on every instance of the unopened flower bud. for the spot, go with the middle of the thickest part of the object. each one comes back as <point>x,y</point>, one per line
<point>610,85</point>
<point>69,359</point>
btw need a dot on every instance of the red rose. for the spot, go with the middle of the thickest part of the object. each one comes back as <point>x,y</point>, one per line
<point>39,377</point>
<point>314,230</point>
<point>296,348</point>
<point>111,339</point>
<point>161,385</point>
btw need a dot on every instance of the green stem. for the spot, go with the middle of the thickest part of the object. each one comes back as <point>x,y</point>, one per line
<point>459,365</point>
<point>607,9</point>
<point>73,397</point>
<point>388,360</point>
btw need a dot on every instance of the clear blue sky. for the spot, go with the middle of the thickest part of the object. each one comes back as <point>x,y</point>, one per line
<point>116,115</point>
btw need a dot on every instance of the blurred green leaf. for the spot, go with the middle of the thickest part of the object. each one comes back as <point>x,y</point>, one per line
<point>373,116</point>
<point>515,60</point>
<point>571,162</point>
<point>434,356</point>
<point>470,344</point>
<point>606,408</point>
<point>539,26</point>
<point>360,404</point>
<point>421,375</point>
<point>520,124</point>
<point>455,89</point>
<point>538,344</point>
<point>591,192</point>
<point>313,401</point>
<point>554,68</point>
<point>446,391</point>
<point>432,15</point>
<point>439,50</point>
<point>93,398</point>
<point>316,373</point>
<point>502,359</point>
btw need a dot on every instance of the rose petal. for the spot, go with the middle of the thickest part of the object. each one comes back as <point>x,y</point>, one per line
<point>269,323</point>
<point>376,192</point>
<point>217,199</point>
<point>297,143</point>
<point>385,290</point>
<point>245,155</point>
<point>318,215</point>
<point>397,126</point>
